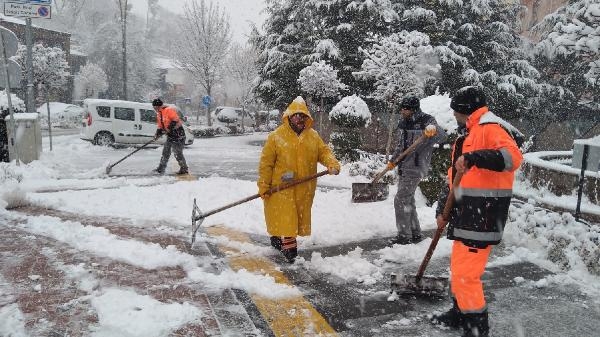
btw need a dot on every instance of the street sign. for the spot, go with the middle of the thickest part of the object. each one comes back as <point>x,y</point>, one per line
<point>11,43</point>
<point>206,100</point>
<point>39,2</point>
<point>27,10</point>
<point>14,73</point>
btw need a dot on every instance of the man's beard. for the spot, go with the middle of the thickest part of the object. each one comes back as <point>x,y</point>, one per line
<point>298,129</point>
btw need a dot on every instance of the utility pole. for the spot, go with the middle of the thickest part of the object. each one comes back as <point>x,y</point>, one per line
<point>123,12</point>
<point>30,105</point>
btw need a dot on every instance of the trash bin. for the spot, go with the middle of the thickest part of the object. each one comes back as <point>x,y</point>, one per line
<point>28,138</point>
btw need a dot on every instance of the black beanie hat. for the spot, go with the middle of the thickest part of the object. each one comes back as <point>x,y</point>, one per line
<point>157,102</point>
<point>410,103</point>
<point>468,99</point>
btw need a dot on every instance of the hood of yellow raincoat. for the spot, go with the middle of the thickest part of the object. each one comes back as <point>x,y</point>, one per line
<point>298,105</point>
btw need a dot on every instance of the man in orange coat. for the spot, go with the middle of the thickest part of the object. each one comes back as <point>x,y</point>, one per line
<point>168,122</point>
<point>488,156</point>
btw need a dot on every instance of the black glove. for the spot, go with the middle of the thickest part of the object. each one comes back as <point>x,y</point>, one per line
<point>159,132</point>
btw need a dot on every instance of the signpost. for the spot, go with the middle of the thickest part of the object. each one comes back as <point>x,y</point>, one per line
<point>206,100</point>
<point>7,40</point>
<point>28,9</point>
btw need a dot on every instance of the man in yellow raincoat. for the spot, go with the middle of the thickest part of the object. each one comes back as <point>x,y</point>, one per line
<point>292,152</point>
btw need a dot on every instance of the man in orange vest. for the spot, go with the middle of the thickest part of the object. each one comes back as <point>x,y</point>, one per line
<point>488,156</point>
<point>168,122</point>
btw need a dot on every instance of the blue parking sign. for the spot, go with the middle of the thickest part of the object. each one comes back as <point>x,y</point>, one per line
<point>206,100</point>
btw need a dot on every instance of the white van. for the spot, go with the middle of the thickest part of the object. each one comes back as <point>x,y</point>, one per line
<point>107,122</point>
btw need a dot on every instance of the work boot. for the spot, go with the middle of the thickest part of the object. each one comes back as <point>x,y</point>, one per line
<point>290,254</point>
<point>416,238</point>
<point>289,248</point>
<point>476,325</point>
<point>276,242</point>
<point>452,318</point>
<point>182,171</point>
<point>401,240</point>
<point>158,171</point>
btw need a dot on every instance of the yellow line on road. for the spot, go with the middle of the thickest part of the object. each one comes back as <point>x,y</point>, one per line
<point>185,177</point>
<point>289,317</point>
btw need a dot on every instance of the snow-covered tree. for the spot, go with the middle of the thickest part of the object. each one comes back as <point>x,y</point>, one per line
<point>348,114</point>
<point>203,43</point>
<point>568,55</point>
<point>50,67</point>
<point>90,81</point>
<point>399,64</point>
<point>477,44</point>
<point>319,80</point>
<point>283,49</point>
<point>346,26</point>
<point>242,68</point>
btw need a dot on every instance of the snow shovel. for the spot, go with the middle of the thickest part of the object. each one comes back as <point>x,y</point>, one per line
<point>198,217</point>
<point>430,285</point>
<point>374,191</point>
<point>109,167</point>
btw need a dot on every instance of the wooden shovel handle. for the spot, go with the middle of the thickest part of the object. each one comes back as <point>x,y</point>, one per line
<point>400,157</point>
<point>270,191</point>
<point>438,233</point>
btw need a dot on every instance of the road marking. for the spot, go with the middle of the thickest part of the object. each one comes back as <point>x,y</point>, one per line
<point>293,316</point>
<point>185,177</point>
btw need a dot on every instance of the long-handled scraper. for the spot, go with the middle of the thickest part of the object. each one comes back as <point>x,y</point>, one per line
<point>198,216</point>
<point>109,167</point>
<point>431,285</point>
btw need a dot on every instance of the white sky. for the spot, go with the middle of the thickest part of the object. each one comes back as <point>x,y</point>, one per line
<point>241,13</point>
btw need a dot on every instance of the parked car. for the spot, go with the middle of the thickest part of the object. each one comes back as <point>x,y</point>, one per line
<point>233,116</point>
<point>108,122</point>
<point>62,115</point>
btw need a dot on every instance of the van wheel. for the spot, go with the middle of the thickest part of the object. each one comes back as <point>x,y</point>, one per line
<point>104,139</point>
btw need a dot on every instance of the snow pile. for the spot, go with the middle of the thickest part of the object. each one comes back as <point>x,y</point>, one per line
<point>17,103</point>
<point>438,106</point>
<point>347,267</point>
<point>572,246</point>
<point>125,312</point>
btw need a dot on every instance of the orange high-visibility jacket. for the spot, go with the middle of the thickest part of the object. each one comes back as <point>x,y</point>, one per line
<point>164,118</point>
<point>484,193</point>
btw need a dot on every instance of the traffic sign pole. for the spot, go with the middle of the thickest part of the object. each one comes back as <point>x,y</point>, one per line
<point>29,43</point>
<point>10,107</point>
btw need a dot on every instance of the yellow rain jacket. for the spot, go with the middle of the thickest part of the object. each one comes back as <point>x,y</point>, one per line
<point>289,155</point>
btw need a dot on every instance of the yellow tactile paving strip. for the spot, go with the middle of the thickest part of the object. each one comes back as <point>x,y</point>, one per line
<point>289,317</point>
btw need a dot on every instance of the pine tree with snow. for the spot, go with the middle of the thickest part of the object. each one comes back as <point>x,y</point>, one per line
<point>348,115</point>
<point>568,55</point>
<point>477,44</point>
<point>319,80</point>
<point>346,26</point>
<point>284,49</point>
<point>399,65</point>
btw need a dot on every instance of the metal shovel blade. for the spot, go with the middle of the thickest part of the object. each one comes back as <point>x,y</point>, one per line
<point>427,285</point>
<point>369,192</point>
<point>197,219</point>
